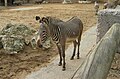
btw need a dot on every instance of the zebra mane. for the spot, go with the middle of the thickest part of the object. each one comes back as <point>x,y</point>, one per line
<point>71,18</point>
<point>53,19</point>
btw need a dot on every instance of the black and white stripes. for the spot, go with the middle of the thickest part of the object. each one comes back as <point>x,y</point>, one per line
<point>60,31</point>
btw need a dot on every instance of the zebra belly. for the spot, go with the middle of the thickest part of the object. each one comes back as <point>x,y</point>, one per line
<point>71,39</point>
<point>72,36</point>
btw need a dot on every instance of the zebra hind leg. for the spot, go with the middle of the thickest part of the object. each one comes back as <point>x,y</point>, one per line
<point>79,39</point>
<point>63,54</point>
<point>75,44</point>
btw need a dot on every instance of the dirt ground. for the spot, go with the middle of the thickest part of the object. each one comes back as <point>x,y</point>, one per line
<point>19,65</point>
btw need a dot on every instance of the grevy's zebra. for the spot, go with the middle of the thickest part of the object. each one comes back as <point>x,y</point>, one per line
<point>61,31</point>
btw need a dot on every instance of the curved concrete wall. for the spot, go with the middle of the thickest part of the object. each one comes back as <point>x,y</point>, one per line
<point>106,18</point>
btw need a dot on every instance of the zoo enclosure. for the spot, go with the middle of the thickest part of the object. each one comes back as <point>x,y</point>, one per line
<point>98,63</point>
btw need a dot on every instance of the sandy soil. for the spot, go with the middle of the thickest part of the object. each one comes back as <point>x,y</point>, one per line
<point>19,65</point>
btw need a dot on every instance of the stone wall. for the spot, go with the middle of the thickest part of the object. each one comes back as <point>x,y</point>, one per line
<point>106,18</point>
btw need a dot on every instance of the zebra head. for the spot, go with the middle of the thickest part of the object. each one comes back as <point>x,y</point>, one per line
<point>43,31</point>
<point>46,20</point>
<point>49,25</point>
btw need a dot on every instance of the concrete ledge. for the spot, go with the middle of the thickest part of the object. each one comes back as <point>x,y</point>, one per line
<point>53,71</point>
<point>106,18</point>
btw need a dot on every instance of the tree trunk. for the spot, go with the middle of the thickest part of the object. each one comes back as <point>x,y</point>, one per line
<point>5,3</point>
<point>99,61</point>
<point>67,1</point>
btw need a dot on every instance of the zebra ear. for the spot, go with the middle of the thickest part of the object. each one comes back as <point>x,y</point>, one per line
<point>37,18</point>
<point>45,19</point>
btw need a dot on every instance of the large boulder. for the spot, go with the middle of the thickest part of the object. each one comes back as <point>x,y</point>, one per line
<point>14,37</point>
<point>13,44</point>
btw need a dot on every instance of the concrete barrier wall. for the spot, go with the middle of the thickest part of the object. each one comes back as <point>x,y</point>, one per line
<point>99,60</point>
<point>106,18</point>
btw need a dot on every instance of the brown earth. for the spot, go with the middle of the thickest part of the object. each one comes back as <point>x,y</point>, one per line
<point>19,65</point>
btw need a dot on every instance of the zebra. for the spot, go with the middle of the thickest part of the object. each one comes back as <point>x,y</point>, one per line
<point>61,31</point>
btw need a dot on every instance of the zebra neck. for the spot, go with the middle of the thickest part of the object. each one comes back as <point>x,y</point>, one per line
<point>55,32</point>
<point>53,28</point>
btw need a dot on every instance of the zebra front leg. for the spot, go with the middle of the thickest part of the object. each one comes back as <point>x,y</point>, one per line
<point>63,54</point>
<point>59,50</point>
<point>75,43</point>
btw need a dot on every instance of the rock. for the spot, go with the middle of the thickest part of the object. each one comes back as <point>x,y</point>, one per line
<point>47,44</point>
<point>13,44</point>
<point>106,18</point>
<point>1,46</point>
<point>118,7</point>
<point>14,37</point>
<point>33,43</point>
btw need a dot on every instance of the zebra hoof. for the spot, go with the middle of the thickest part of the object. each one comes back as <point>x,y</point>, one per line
<point>63,69</point>
<point>71,58</point>
<point>60,64</point>
<point>78,57</point>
